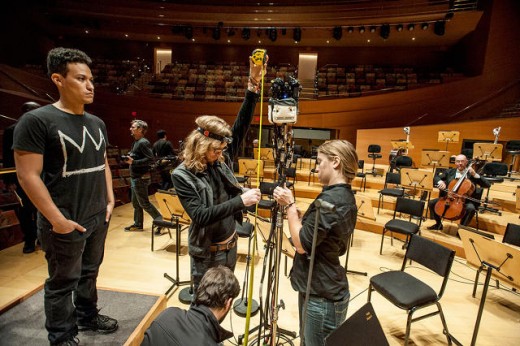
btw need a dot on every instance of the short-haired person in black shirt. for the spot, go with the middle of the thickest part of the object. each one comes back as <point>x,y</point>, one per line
<point>60,154</point>
<point>207,188</point>
<point>329,291</point>
<point>140,158</point>
<point>200,325</point>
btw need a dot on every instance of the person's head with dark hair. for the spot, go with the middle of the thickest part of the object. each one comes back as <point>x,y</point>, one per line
<point>161,134</point>
<point>217,289</point>
<point>29,106</point>
<point>59,58</point>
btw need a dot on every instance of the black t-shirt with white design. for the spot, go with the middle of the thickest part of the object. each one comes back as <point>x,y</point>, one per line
<point>73,148</point>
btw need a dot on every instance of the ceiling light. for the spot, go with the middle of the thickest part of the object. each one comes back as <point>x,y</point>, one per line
<point>361,29</point>
<point>411,27</point>
<point>373,29</point>
<point>424,26</point>
<point>399,27</point>
<point>350,30</point>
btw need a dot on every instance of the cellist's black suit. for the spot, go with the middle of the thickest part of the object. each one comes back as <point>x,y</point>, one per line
<point>447,177</point>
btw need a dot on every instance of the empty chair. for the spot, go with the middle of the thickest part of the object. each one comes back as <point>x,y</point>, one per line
<point>411,294</point>
<point>362,174</point>
<point>391,188</point>
<point>494,172</point>
<point>408,206</point>
<point>313,170</point>
<point>374,152</point>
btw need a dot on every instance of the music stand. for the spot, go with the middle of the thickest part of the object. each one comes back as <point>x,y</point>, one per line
<point>402,145</point>
<point>487,151</point>
<point>364,207</point>
<point>489,254</point>
<point>435,158</point>
<point>417,179</point>
<point>448,137</point>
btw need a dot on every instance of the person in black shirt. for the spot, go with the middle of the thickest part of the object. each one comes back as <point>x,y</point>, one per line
<point>163,151</point>
<point>61,163</point>
<point>329,291</point>
<point>200,325</point>
<point>207,188</point>
<point>140,158</point>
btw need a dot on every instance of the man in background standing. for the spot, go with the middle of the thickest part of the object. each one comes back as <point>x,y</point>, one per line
<point>163,151</point>
<point>140,158</point>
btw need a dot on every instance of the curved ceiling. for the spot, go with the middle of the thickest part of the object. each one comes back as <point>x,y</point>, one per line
<point>202,21</point>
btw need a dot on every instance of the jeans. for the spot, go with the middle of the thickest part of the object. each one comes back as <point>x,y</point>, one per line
<point>140,200</point>
<point>73,261</point>
<point>323,316</point>
<point>199,265</point>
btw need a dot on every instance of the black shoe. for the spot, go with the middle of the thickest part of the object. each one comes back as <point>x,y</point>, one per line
<point>99,323</point>
<point>158,231</point>
<point>436,227</point>
<point>133,228</point>
<point>29,248</point>
<point>73,341</point>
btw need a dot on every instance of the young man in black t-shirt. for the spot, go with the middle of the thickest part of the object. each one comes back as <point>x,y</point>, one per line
<point>60,155</point>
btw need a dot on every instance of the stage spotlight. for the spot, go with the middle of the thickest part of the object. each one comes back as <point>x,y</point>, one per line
<point>337,32</point>
<point>439,27</point>
<point>246,33</point>
<point>216,33</point>
<point>373,29</point>
<point>361,29</point>
<point>273,34</point>
<point>399,27</point>
<point>188,32</point>
<point>411,27</point>
<point>424,26</point>
<point>350,30</point>
<point>297,34</point>
<point>385,31</point>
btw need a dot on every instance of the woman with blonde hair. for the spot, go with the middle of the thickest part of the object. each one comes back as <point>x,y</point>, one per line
<point>207,188</point>
<point>329,291</point>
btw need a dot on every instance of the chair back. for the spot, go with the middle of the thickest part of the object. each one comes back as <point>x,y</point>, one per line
<point>513,146</point>
<point>374,148</point>
<point>512,235</point>
<point>291,173</point>
<point>244,230</point>
<point>409,206</point>
<point>494,169</point>
<point>392,178</point>
<point>267,188</point>
<point>428,253</point>
<point>249,167</point>
<point>403,161</point>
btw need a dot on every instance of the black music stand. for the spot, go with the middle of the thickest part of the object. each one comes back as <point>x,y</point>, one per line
<point>486,253</point>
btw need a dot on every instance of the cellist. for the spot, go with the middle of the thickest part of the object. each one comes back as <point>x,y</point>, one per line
<point>442,181</point>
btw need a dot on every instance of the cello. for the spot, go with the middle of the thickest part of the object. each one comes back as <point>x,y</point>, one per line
<point>453,205</point>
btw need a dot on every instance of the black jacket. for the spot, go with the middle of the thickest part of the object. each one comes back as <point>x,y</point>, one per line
<point>197,326</point>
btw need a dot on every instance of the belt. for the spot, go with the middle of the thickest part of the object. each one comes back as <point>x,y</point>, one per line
<point>225,246</point>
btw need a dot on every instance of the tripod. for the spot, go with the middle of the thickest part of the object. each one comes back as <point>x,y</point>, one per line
<point>271,266</point>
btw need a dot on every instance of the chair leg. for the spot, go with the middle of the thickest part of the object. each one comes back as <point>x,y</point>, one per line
<point>382,240</point>
<point>369,292</point>
<point>475,284</point>
<point>408,326</point>
<point>380,202</point>
<point>444,324</point>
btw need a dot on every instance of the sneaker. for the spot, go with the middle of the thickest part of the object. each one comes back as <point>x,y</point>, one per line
<point>73,341</point>
<point>99,323</point>
<point>133,228</point>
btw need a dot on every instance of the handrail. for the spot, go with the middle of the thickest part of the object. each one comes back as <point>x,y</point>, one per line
<point>485,99</point>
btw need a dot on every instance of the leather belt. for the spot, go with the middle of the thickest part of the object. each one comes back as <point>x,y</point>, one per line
<point>225,246</point>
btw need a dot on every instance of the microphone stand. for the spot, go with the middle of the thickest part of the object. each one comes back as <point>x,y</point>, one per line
<point>320,204</point>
